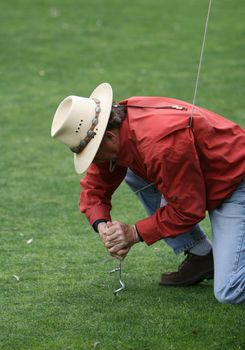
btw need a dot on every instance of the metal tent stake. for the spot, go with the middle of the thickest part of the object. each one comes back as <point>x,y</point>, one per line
<point>122,284</point>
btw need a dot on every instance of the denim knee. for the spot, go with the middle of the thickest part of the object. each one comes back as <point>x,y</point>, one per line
<point>230,294</point>
<point>226,298</point>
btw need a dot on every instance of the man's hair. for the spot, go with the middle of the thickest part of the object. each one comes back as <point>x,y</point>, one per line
<point>117,116</point>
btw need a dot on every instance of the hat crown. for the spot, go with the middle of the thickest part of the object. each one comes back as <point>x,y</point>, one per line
<point>73,119</point>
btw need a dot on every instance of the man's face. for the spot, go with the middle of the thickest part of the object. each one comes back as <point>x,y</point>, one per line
<point>109,147</point>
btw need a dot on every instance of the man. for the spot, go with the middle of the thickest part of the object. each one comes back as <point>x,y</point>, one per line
<point>180,162</point>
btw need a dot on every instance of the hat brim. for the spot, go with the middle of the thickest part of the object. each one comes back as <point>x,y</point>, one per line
<point>104,94</point>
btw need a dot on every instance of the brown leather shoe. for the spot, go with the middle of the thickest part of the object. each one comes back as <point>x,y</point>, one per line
<point>193,270</point>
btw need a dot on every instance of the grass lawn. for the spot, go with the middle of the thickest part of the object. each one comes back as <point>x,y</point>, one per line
<point>55,286</point>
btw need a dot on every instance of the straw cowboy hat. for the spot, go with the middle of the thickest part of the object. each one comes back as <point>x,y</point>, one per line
<point>80,124</point>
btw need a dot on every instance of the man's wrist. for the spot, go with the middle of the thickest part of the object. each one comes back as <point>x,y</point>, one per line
<point>97,222</point>
<point>140,238</point>
<point>136,236</point>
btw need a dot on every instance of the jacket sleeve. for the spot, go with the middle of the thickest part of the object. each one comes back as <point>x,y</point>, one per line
<point>180,179</point>
<point>98,186</point>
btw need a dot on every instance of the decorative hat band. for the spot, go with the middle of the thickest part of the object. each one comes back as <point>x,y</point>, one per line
<point>90,133</point>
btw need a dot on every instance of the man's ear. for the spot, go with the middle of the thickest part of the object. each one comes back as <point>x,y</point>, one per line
<point>111,135</point>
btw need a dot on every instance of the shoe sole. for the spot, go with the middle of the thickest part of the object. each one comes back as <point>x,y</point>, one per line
<point>209,276</point>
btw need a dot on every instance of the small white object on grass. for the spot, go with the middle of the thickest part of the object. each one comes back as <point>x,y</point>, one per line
<point>29,241</point>
<point>96,344</point>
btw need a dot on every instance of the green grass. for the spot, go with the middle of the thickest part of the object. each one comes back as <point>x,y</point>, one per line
<point>50,49</point>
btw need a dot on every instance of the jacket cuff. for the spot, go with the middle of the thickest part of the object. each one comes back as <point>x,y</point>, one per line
<point>148,230</point>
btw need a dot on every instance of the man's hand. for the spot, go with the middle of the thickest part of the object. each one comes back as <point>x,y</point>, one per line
<point>120,238</point>
<point>102,227</point>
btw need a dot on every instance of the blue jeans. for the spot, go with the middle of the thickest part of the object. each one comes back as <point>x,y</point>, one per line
<point>228,232</point>
<point>228,237</point>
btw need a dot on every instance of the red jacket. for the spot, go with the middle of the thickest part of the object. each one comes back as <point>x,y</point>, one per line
<point>194,168</point>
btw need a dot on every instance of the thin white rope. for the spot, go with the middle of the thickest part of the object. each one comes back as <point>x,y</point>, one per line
<point>143,188</point>
<point>200,60</point>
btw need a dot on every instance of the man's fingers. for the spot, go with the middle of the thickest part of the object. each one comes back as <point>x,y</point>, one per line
<point>121,254</point>
<point>110,244</point>
<point>115,238</point>
<point>116,248</point>
<point>112,228</point>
